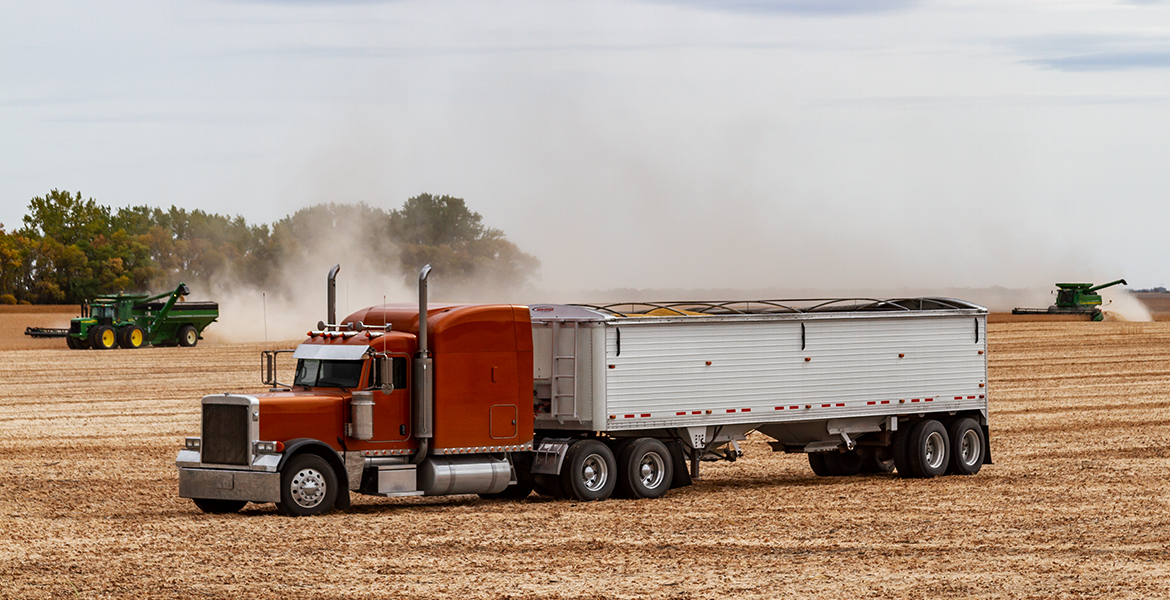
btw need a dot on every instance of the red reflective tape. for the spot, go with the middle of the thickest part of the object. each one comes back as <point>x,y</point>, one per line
<point>840,404</point>
<point>646,415</point>
<point>826,405</point>
<point>681,414</point>
<point>930,399</point>
<point>696,412</point>
<point>745,410</point>
<point>885,401</point>
<point>871,403</point>
<point>958,397</point>
<point>779,408</point>
<point>629,416</point>
<point>970,397</point>
<point>793,407</point>
<point>914,399</point>
<point>731,410</point>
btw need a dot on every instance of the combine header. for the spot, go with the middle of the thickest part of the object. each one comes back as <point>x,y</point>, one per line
<point>135,320</point>
<point>1074,299</point>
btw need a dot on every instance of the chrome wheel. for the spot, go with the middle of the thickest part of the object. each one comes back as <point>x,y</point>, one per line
<point>652,470</point>
<point>594,472</point>
<point>935,450</point>
<point>971,448</point>
<point>308,488</point>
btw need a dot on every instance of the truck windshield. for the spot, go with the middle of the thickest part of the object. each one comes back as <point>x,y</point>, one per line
<point>328,373</point>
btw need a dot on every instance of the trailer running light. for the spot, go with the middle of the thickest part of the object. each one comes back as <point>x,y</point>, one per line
<point>193,443</point>
<point>268,447</point>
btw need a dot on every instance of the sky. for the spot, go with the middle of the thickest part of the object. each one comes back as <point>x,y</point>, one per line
<point>749,144</point>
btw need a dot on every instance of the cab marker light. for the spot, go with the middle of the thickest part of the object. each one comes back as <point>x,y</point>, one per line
<point>269,447</point>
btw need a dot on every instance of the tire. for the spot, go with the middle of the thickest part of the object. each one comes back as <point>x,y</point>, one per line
<point>219,507</point>
<point>928,449</point>
<point>816,460</point>
<point>103,337</point>
<point>843,464</point>
<point>522,465</point>
<point>548,486</point>
<point>644,469</point>
<point>968,448</point>
<point>589,471</point>
<point>877,459</point>
<point>71,342</point>
<point>308,486</point>
<point>131,336</point>
<point>187,336</point>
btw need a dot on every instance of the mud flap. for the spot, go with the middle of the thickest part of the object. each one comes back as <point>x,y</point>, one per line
<point>987,439</point>
<point>682,473</point>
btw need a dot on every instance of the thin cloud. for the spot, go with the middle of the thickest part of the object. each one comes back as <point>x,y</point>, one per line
<point>805,7</point>
<point>1106,61</point>
<point>1087,52</point>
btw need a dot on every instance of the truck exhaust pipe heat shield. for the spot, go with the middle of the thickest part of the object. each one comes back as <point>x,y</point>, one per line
<point>331,300</point>
<point>423,384</point>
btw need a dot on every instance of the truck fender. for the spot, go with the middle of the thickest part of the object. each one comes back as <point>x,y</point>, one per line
<point>301,445</point>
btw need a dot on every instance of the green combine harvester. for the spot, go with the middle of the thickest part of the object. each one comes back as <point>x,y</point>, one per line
<point>1074,299</point>
<point>136,320</point>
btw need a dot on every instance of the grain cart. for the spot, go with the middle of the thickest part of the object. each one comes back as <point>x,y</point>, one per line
<point>1074,299</point>
<point>587,402</point>
<point>135,320</point>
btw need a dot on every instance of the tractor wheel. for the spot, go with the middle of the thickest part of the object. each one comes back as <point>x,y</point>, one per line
<point>645,469</point>
<point>589,471</point>
<point>103,337</point>
<point>72,343</point>
<point>219,507</point>
<point>967,447</point>
<point>131,336</point>
<point>308,487</point>
<point>188,336</point>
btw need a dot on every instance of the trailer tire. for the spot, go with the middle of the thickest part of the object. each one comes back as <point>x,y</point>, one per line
<point>589,471</point>
<point>928,449</point>
<point>843,464</point>
<point>131,336</point>
<point>103,337</point>
<point>644,469</point>
<point>187,336</point>
<point>816,460</point>
<point>968,447</point>
<point>876,459</point>
<point>219,507</point>
<point>308,486</point>
<point>898,449</point>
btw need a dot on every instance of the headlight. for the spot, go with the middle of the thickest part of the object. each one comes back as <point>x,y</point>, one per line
<point>268,448</point>
<point>193,443</point>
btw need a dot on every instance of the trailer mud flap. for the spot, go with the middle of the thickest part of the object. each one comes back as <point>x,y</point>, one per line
<point>682,474</point>
<point>548,456</point>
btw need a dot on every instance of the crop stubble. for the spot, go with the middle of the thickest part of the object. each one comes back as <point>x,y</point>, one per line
<point>1075,505</point>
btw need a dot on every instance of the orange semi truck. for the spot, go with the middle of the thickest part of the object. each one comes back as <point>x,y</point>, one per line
<point>587,402</point>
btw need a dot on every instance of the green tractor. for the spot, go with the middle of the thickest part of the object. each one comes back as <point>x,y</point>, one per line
<point>1074,299</point>
<point>136,320</point>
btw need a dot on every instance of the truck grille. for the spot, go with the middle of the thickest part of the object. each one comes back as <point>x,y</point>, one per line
<point>225,434</point>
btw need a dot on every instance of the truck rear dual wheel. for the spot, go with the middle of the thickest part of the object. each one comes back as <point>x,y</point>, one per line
<point>589,471</point>
<point>308,486</point>
<point>103,337</point>
<point>644,469</point>
<point>922,450</point>
<point>131,336</point>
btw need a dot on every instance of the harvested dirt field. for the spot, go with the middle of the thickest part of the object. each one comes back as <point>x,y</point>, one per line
<point>1076,504</point>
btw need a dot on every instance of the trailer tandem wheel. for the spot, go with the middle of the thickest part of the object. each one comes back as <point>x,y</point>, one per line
<point>644,469</point>
<point>967,447</point>
<point>928,449</point>
<point>589,471</point>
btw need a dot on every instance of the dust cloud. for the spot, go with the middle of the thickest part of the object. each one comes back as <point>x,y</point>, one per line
<point>1120,305</point>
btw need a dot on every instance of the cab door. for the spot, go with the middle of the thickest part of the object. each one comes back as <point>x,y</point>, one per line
<point>392,406</point>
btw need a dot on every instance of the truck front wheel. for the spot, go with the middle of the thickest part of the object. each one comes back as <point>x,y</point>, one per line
<point>308,486</point>
<point>589,471</point>
<point>219,507</point>
<point>644,469</point>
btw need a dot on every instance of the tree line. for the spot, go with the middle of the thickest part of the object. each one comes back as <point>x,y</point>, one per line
<point>70,250</point>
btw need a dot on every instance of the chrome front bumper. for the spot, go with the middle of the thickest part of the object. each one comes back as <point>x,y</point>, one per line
<point>197,481</point>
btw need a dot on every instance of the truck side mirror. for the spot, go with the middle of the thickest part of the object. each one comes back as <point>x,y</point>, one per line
<point>386,373</point>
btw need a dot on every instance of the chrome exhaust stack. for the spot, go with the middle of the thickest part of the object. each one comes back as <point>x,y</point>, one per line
<point>331,300</point>
<point>423,380</point>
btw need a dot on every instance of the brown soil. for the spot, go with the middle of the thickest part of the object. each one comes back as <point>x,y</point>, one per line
<point>1075,505</point>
